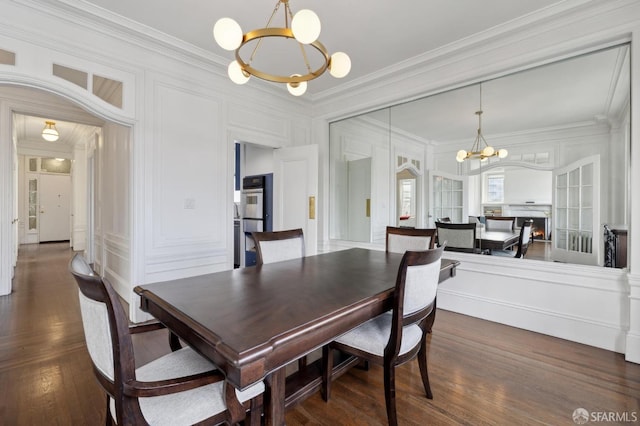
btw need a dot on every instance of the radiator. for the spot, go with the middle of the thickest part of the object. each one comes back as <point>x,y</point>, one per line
<point>580,242</point>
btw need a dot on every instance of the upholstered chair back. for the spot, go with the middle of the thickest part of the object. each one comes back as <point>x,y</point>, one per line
<point>97,332</point>
<point>500,224</point>
<point>400,240</point>
<point>95,318</point>
<point>421,285</point>
<point>457,235</point>
<point>279,246</point>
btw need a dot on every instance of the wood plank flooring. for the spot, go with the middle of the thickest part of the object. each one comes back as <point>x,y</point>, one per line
<point>481,373</point>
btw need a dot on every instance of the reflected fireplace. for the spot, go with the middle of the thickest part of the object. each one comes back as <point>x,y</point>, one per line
<point>540,229</point>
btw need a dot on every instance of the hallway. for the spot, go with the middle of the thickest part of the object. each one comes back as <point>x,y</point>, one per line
<point>45,370</point>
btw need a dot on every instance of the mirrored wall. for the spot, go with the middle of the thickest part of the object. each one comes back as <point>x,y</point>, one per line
<point>397,166</point>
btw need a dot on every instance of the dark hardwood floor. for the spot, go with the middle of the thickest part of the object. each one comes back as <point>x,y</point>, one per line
<point>481,373</point>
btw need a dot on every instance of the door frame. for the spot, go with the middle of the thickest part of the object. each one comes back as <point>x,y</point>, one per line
<point>30,103</point>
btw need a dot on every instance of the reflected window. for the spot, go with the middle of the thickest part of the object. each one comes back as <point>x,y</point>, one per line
<point>495,188</point>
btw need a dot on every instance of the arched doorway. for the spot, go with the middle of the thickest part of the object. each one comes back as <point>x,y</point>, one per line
<point>40,102</point>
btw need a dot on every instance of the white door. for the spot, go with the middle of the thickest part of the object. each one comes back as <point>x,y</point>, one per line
<point>359,200</point>
<point>448,198</point>
<point>576,232</point>
<point>55,207</point>
<point>295,191</point>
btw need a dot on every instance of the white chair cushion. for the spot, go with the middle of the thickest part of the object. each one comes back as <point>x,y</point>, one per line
<point>401,243</point>
<point>373,336</point>
<point>499,225</point>
<point>189,407</point>
<point>279,250</point>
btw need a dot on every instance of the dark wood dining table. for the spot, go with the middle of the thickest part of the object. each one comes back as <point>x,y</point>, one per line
<point>496,240</point>
<point>251,322</point>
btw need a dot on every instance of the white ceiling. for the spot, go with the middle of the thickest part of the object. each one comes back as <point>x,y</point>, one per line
<point>375,34</point>
<point>387,33</point>
<point>29,132</point>
<point>583,90</point>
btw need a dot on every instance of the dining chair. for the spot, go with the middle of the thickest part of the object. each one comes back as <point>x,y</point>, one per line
<point>401,239</point>
<point>500,223</point>
<point>278,245</point>
<point>459,236</point>
<point>397,336</point>
<point>523,242</point>
<point>180,388</point>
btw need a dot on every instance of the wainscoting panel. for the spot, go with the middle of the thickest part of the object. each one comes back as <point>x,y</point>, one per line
<point>117,264</point>
<point>586,304</point>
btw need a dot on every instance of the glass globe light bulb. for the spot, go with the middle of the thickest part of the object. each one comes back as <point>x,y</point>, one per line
<point>461,155</point>
<point>50,133</point>
<point>305,26</point>
<point>488,151</point>
<point>297,89</point>
<point>227,33</point>
<point>237,74</point>
<point>339,65</point>
<point>502,153</point>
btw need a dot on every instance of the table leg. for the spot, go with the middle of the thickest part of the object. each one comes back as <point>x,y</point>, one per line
<point>274,401</point>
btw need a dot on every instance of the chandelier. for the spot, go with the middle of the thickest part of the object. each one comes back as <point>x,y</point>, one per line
<point>50,133</point>
<point>303,28</point>
<point>480,149</point>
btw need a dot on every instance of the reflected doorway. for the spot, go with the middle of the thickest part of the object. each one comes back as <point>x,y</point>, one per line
<point>407,198</point>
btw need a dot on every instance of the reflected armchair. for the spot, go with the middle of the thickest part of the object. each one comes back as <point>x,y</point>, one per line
<point>500,223</point>
<point>523,242</point>
<point>459,236</point>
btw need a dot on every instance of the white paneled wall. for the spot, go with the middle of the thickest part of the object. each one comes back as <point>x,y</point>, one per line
<point>164,168</point>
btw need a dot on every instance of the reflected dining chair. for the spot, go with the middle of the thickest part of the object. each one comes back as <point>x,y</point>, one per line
<point>180,388</point>
<point>523,242</point>
<point>278,245</point>
<point>500,223</point>
<point>400,240</point>
<point>396,336</point>
<point>459,236</point>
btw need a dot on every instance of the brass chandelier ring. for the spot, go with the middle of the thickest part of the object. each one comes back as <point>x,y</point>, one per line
<point>286,33</point>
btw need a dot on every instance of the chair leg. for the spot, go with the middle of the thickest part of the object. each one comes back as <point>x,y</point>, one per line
<point>431,318</point>
<point>422,362</point>
<point>390,393</point>
<point>327,368</point>
<point>174,342</point>
<point>108,420</point>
